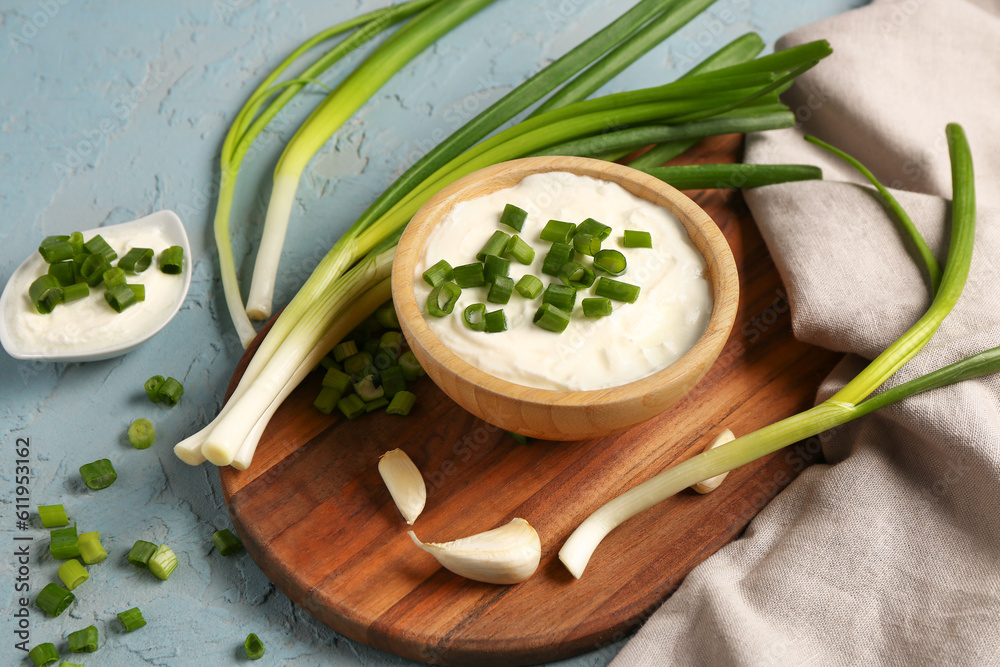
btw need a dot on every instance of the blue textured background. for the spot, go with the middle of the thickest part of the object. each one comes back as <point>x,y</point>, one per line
<point>112,110</point>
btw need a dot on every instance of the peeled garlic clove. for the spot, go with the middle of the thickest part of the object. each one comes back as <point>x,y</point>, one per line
<point>405,483</point>
<point>504,555</point>
<point>712,483</point>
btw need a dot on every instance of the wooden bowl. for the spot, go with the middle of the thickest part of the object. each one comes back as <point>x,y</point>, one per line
<point>565,415</point>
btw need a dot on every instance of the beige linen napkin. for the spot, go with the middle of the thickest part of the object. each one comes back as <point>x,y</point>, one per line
<point>889,553</point>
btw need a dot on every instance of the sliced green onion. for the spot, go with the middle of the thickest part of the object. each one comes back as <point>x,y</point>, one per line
<point>136,260</point>
<point>451,292</point>
<point>327,362</point>
<point>500,290</point>
<point>401,403</point>
<point>496,321</point>
<point>351,406</point>
<point>594,228</point>
<point>72,573</point>
<point>93,267</point>
<point>55,249</point>
<point>75,292</point>
<point>520,250</point>
<point>98,475</point>
<point>529,286</point>
<point>114,277</point>
<point>513,216</point>
<point>83,641</point>
<point>53,516</point>
<point>562,297</point>
<point>337,380</point>
<point>495,245</point>
<point>170,392</point>
<point>139,290</point>
<point>495,267</point>
<point>597,306</point>
<point>470,275</point>
<point>98,246</point>
<point>635,239</point>
<point>63,272</point>
<point>45,293</point>
<point>558,231</point>
<point>576,275</point>
<point>63,543</point>
<point>551,318</point>
<point>558,254</point>
<point>91,549</point>
<point>373,405</point>
<point>617,290</point>
<point>367,390</point>
<point>171,260</point>
<point>355,364</point>
<point>386,316</point>
<point>76,240</point>
<point>226,542</point>
<point>327,399</point>
<point>53,599</point>
<point>141,552</point>
<point>152,388</point>
<point>141,433</point>
<point>70,664</point>
<point>120,297</point>
<point>393,341</point>
<point>163,562</point>
<point>610,261</point>
<point>586,244</point>
<point>393,381</point>
<point>411,367</point>
<point>439,273</point>
<point>475,316</point>
<point>44,654</point>
<point>254,647</point>
<point>131,619</point>
<point>344,350</point>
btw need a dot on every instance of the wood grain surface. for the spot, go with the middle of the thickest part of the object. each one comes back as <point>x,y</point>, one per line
<point>314,514</point>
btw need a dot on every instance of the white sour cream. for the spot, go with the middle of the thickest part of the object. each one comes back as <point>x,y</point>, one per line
<point>635,341</point>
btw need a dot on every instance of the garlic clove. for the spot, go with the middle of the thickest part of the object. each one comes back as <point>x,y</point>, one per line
<point>505,555</point>
<point>712,483</point>
<point>405,483</point>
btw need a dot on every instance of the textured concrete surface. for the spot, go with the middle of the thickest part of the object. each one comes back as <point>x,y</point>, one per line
<point>112,110</point>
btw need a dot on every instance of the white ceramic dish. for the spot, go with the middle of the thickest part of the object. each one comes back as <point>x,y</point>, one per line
<point>167,223</point>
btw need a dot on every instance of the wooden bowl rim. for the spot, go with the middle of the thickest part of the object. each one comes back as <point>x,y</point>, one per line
<point>699,225</point>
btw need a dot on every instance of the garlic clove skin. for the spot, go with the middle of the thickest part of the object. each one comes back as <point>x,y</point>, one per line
<point>505,555</point>
<point>712,483</point>
<point>405,483</point>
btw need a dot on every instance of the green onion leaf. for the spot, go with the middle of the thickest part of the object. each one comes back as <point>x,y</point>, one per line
<point>557,231</point>
<point>141,433</point>
<point>83,641</point>
<point>401,403</point>
<point>226,542</point>
<point>576,275</point>
<point>610,261</point>
<point>140,553</point>
<point>494,267</point>
<point>91,549</point>
<point>131,619</point>
<point>53,516</point>
<point>560,296</point>
<point>172,260</point>
<point>513,216</point>
<point>98,246</point>
<point>520,250</point>
<point>551,318</point>
<point>470,275</point>
<point>475,317</point>
<point>495,245</point>
<point>450,291</point>
<point>439,273</point>
<point>53,599</point>
<point>63,543</point>
<point>254,647</point>
<point>597,306</point>
<point>136,260</point>
<point>44,654</point>
<point>558,254</point>
<point>163,562</point>
<point>617,290</point>
<point>72,573</point>
<point>529,286</point>
<point>98,475</point>
<point>500,290</point>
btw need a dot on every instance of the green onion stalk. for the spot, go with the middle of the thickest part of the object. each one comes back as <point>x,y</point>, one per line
<point>847,404</point>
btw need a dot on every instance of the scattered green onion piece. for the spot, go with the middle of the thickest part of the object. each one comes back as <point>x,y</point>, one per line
<point>53,516</point>
<point>586,244</point>
<point>351,406</point>
<point>63,543</point>
<point>91,549</point>
<point>562,297</point>
<point>140,553</point>
<point>557,231</point>
<point>72,573</point>
<point>439,273</point>
<point>520,250</point>
<point>385,357</point>
<point>500,290</point>
<point>370,346</point>
<point>327,362</point>
<point>172,260</point>
<point>495,245</point>
<point>401,403</point>
<point>617,290</point>
<point>254,647</point>
<point>475,316</point>
<point>163,562</point>
<point>551,318</point>
<point>98,246</point>
<point>170,392</point>
<point>327,399</point>
<point>45,293</point>
<point>152,388</point>
<point>393,381</point>
<point>451,292</point>
<point>367,390</point>
<point>558,254</point>
<point>411,367</point>
<point>576,275</point>
<point>337,380</point>
<point>594,228</point>
<point>513,216</point>
<point>76,241</point>
<point>63,272</point>
<point>636,239</point>
<point>120,297</point>
<point>529,286</point>
<point>386,316</point>
<point>70,664</point>
<point>56,249</point>
<point>470,275</point>
<point>610,261</point>
<point>597,306</point>
<point>226,542</point>
<point>136,260</point>
<point>358,362</point>
<point>370,369</point>
<point>98,475</point>
<point>496,321</point>
<point>376,404</point>
<point>517,436</point>
<point>139,291</point>
<point>131,619</point>
<point>494,267</point>
<point>75,292</point>
<point>393,341</point>
<point>141,433</point>
<point>114,277</point>
<point>44,654</point>
<point>93,268</point>
<point>53,599</point>
<point>344,350</point>
<point>83,641</point>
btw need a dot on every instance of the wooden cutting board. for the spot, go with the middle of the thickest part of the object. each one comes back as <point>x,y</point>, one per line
<point>315,516</point>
